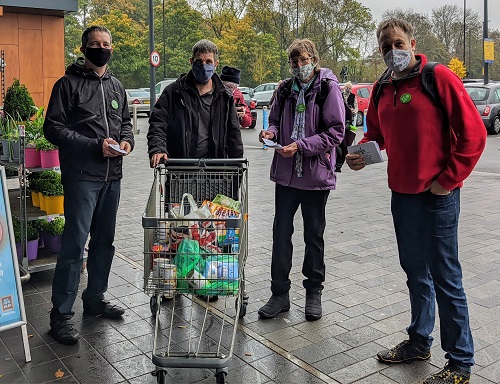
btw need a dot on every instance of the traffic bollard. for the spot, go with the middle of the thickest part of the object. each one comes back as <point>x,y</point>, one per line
<point>134,120</point>
<point>265,122</point>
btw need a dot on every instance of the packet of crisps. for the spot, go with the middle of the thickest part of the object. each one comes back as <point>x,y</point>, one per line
<point>227,202</point>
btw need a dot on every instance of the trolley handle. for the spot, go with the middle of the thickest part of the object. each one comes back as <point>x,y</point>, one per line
<point>200,163</point>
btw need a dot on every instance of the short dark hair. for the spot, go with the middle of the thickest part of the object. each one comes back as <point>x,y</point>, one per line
<point>94,28</point>
<point>205,46</point>
<point>395,23</point>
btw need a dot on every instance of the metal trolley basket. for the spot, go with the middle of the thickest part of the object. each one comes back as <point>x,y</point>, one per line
<point>191,259</point>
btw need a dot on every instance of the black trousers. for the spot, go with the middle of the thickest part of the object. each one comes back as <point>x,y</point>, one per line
<point>312,203</point>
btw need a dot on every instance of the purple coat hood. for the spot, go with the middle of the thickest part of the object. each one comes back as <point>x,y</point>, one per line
<point>318,147</point>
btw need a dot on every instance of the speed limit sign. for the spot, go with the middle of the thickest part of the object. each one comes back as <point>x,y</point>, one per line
<point>155,58</point>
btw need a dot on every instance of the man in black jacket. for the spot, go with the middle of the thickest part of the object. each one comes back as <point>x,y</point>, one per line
<point>88,119</point>
<point>195,117</point>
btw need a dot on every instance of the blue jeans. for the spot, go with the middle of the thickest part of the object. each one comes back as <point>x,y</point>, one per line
<point>90,207</point>
<point>426,230</point>
<point>312,204</point>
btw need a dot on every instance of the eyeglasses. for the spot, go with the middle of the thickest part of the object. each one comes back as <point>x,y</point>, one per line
<point>302,60</point>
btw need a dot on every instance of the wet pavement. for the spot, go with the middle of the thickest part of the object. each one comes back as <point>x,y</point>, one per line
<point>365,300</point>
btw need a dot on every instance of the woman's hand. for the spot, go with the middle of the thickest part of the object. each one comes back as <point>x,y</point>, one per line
<point>355,161</point>
<point>265,135</point>
<point>289,150</point>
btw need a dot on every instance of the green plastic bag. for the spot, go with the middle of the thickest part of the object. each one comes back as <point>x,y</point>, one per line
<point>187,259</point>
<point>219,288</point>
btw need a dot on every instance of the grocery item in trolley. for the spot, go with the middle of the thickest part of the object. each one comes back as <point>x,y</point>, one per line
<point>165,274</point>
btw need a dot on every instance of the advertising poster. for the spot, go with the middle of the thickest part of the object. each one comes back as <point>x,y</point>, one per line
<point>10,311</point>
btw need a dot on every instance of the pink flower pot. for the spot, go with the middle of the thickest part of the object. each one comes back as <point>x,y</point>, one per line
<point>32,158</point>
<point>49,159</point>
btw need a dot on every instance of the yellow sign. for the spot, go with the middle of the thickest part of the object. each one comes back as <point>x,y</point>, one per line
<point>489,50</point>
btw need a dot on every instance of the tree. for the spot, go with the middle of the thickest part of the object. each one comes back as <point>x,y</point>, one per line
<point>457,67</point>
<point>257,57</point>
<point>130,60</point>
<point>184,26</point>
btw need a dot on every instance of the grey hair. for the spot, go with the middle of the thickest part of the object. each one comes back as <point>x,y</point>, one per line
<point>94,28</point>
<point>348,84</point>
<point>205,46</point>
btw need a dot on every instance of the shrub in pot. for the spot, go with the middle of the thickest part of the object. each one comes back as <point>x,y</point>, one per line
<point>52,230</point>
<point>32,236</point>
<point>49,155</point>
<point>18,107</point>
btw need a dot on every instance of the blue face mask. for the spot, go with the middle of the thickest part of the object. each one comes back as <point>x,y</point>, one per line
<point>202,72</point>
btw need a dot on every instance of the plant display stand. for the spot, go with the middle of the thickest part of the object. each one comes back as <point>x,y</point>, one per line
<point>22,207</point>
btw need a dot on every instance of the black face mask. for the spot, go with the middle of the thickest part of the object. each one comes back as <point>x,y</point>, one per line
<point>98,56</point>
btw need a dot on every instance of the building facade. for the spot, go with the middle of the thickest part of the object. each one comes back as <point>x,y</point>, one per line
<point>32,44</point>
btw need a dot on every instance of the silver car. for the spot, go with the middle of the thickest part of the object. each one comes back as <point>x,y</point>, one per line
<point>263,93</point>
<point>139,97</point>
<point>487,100</point>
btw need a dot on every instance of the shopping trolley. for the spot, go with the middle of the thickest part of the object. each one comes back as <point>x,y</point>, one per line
<point>195,248</point>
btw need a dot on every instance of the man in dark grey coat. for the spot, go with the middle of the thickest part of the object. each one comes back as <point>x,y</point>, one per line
<point>195,117</point>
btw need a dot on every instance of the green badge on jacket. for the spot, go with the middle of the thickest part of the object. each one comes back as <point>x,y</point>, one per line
<point>301,107</point>
<point>405,98</point>
<point>114,104</point>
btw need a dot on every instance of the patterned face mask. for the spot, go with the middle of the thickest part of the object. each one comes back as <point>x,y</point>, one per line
<point>303,73</point>
<point>397,60</point>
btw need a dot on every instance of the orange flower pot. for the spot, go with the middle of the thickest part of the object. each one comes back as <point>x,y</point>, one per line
<point>35,199</point>
<point>41,197</point>
<point>54,205</point>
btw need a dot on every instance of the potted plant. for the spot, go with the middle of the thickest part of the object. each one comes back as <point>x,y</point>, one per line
<point>54,198</point>
<point>49,155</point>
<point>18,107</point>
<point>33,131</point>
<point>32,236</point>
<point>43,181</point>
<point>52,229</point>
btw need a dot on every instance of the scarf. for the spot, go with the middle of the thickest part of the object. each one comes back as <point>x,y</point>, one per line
<point>299,122</point>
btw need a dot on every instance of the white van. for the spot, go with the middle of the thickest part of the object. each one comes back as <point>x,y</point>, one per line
<point>161,86</point>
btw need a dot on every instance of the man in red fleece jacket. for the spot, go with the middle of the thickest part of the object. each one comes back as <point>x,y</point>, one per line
<point>430,153</point>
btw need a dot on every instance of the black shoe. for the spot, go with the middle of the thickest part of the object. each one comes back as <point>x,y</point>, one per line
<point>274,306</point>
<point>63,332</point>
<point>404,352</point>
<point>313,308</point>
<point>450,374</point>
<point>104,309</point>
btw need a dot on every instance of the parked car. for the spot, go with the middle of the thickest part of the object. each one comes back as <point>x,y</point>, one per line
<point>263,93</point>
<point>487,100</point>
<point>252,104</point>
<point>363,92</point>
<point>247,90</point>
<point>139,97</point>
<point>160,86</point>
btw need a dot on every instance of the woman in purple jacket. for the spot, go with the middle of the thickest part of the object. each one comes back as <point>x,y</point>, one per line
<point>303,171</point>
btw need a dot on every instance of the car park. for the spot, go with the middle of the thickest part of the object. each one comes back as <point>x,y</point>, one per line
<point>486,97</point>
<point>263,93</point>
<point>140,98</point>
<point>247,90</point>
<point>252,105</point>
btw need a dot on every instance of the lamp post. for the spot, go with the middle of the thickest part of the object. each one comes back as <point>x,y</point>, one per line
<point>485,36</point>
<point>465,7</point>
<point>164,50</point>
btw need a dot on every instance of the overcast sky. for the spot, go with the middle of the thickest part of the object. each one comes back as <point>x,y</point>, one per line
<point>378,7</point>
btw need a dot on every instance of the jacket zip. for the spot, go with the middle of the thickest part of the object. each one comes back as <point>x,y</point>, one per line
<point>106,121</point>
